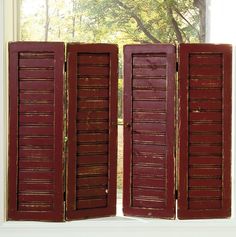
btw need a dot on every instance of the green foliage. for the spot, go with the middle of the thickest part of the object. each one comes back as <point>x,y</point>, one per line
<point>116,21</point>
<point>111,21</point>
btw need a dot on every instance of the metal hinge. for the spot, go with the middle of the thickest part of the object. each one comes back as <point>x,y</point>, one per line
<point>177,66</point>
<point>65,66</point>
<point>176,194</point>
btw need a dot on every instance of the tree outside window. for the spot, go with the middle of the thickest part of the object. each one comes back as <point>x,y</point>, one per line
<point>114,21</point>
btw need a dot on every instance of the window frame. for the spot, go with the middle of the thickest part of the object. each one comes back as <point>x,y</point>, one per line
<point>9,26</point>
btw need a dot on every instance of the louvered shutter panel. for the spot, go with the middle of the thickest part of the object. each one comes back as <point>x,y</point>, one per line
<point>35,181</point>
<point>149,132</point>
<point>205,131</point>
<point>92,130</point>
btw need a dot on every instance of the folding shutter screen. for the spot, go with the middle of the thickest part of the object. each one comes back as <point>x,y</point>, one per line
<point>205,131</point>
<point>35,190</point>
<point>149,132</point>
<point>92,130</point>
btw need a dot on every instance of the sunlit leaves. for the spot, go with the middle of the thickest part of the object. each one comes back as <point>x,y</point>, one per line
<point>110,20</point>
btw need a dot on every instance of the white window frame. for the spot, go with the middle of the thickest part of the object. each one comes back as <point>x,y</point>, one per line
<point>112,226</point>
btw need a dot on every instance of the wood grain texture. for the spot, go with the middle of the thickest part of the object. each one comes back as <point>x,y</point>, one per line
<point>35,174</point>
<point>205,131</point>
<point>92,130</point>
<point>149,136</point>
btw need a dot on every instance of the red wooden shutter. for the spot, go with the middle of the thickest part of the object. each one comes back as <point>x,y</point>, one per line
<point>149,133</point>
<point>92,130</point>
<point>205,131</point>
<point>35,180</point>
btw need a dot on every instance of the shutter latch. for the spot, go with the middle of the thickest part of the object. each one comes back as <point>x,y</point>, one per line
<point>127,125</point>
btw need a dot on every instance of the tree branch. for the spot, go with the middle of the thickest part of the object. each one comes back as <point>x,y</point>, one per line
<point>201,5</point>
<point>174,24</point>
<point>186,20</point>
<point>139,22</point>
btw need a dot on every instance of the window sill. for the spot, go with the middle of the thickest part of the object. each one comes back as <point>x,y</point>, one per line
<point>119,225</point>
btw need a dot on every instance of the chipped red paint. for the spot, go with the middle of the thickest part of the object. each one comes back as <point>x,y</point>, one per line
<point>35,173</point>
<point>92,130</point>
<point>205,131</point>
<point>36,165</point>
<point>149,130</point>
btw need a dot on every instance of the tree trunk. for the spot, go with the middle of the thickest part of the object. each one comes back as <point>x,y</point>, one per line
<point>174,24</point>
<point>139,22</point>
<point>201,5</point>
<point>46,20</point>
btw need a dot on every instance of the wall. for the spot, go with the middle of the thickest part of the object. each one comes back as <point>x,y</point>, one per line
<point>8,32</point>
<point>2,110</point>
<point>220,28</point>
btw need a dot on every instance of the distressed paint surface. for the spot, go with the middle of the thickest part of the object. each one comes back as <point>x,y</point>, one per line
<point>35,174</point>
<point>149,134</point>
<point>205,131</point>
<point>92,130</point>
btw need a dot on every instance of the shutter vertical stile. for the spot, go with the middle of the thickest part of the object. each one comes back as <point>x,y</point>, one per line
<point>149,131</point>
<point>205,131</point>
<point>35,168</point>
<point>92,130</point>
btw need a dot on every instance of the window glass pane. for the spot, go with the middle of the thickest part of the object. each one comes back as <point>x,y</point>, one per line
<point>116,21</point>
<point>113,21</point>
